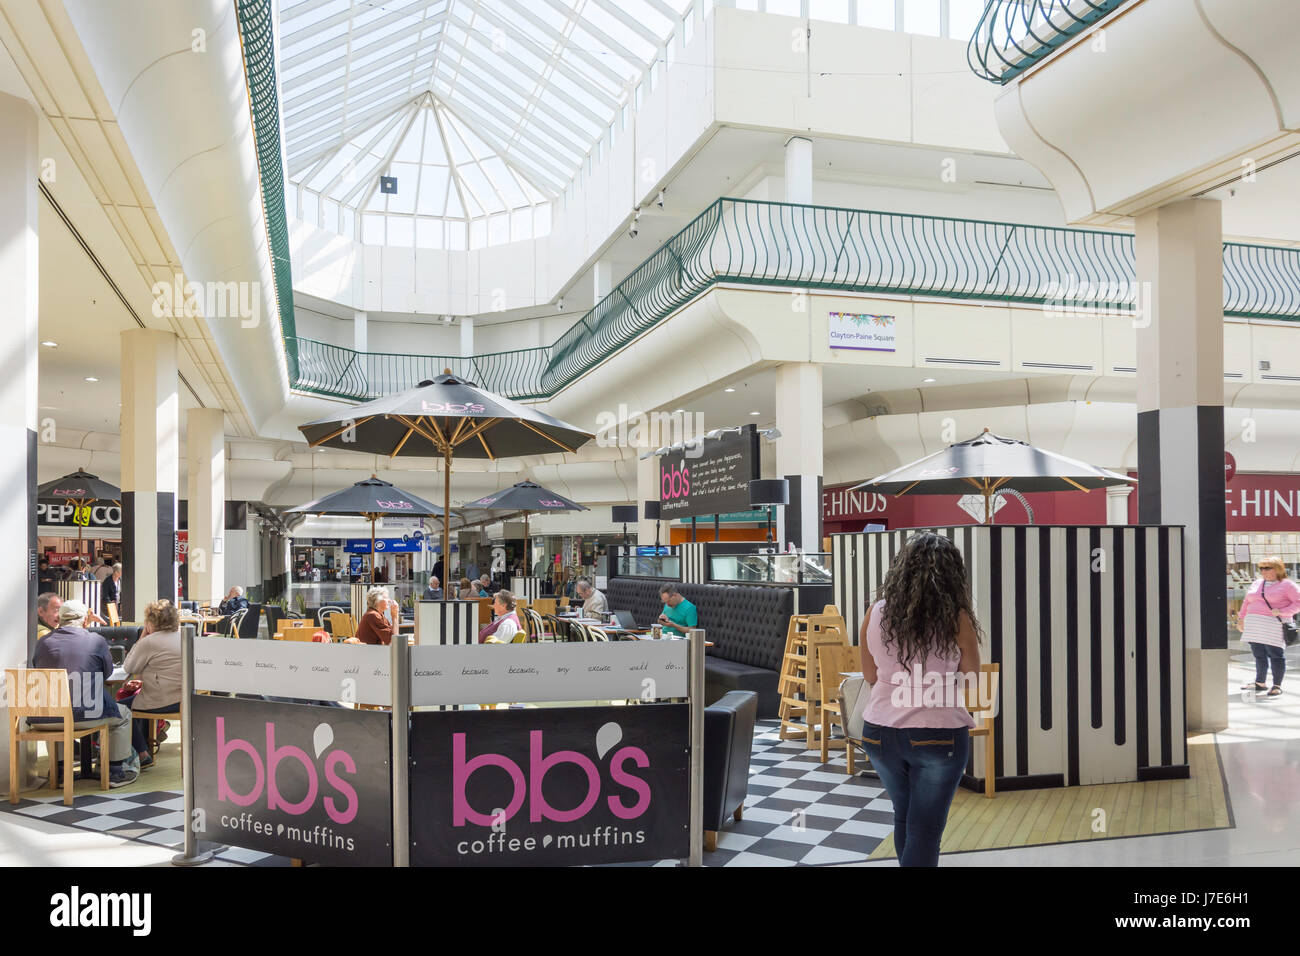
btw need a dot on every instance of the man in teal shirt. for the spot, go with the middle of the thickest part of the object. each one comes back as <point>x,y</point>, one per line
<point>679,614</point>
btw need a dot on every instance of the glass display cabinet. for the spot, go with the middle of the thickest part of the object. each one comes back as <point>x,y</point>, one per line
<point>805,568</point>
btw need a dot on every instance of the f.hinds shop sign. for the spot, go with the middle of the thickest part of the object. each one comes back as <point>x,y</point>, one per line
<point>312,783</point>
<point>565,786</point>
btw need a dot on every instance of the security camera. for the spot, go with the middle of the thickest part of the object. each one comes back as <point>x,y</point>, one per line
<point>659,200</point>
<point>559,306</point>
<point>632,231</point>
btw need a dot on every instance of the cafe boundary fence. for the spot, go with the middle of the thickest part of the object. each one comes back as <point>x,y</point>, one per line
<point>300,775</point>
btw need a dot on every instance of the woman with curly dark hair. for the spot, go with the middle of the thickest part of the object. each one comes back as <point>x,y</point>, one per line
<point>915,641</point>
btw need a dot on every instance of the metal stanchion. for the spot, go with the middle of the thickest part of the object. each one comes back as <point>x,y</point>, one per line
<point>400,676</point>
<point>191,856</point>
<point>696,689</point>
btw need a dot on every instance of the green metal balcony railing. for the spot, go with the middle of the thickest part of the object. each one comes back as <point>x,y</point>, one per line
<point>819,248</point>
<point>1013,35</point>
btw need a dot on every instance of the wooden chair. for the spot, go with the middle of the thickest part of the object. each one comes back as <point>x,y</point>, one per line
<point>113,619</point>
<point>343,625</point>
<point>297,633</point>
<point>543,606</point>
<point>44,692</point>
<point>151,731</point>
<point>595,633</point>
<point>484,612</point>
<point>537,630</point>
<point>564,603</point>
<point>325,613</point>
<point>834,660</point>
<point>984,721</point>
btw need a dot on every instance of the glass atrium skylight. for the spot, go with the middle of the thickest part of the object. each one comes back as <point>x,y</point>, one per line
<point>482,110</point>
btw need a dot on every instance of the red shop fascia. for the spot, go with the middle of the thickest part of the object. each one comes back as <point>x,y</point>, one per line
<point>1256,502</point>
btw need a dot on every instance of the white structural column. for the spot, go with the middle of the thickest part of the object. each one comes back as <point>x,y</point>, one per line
<point>1180,427</point>
<point>19,216</point>
<point>360,332</point>
<point>799,452</point>
<point>602,279</point>
<point>1117,504</point>
<point>150,451</point>
<point>647,484</point>
<point>467,337</point>
<point>798,170</point>
<point>205,456</point>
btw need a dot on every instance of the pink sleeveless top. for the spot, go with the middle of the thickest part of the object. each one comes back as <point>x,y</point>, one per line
<point>929,695</point>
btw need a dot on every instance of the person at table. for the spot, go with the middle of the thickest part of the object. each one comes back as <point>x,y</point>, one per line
<point>234,601</point>
<point>434,590</point>
<point>1272,599</point>
<point>679,615</point>
<point>86,658</point>
<point>45,577</point>
<point>921,636</point>
<point>379,623</point>
<point>466,592</point>
<point>593,601</point>
<point>155,660</point>
<point>505,625</point>
<point>47,613</point>
<point>484,586</point>
<point>111,590</point>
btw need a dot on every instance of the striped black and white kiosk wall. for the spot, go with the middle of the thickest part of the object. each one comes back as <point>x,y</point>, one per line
<point>1087,624</point>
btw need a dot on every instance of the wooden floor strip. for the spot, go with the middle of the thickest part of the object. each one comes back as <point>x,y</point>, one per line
<point>1068,814</point>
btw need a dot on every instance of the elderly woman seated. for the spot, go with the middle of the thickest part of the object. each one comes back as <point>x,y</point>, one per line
<point>155,662</point>
<point>505,626</point>
<point>379,623</point>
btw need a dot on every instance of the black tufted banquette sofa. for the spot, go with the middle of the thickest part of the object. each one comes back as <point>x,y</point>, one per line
<point>747,626</point>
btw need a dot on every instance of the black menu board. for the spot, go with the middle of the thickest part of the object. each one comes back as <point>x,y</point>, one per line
<point>709,479</point>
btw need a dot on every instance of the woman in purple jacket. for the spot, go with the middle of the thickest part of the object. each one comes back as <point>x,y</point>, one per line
<point>1272,599</point>
<point>505,625</point>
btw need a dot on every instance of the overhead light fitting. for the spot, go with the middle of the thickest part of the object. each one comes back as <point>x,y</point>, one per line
<point>926,381</point>
<point>51,345</point>
<point>91,378</point>
<point>755,413</point>
<point>447,319</point>
<point>728,389</point>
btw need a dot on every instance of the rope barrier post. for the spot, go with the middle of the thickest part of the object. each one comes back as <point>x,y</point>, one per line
<point>695,687</point>
<point>400,677</point>
<point>191,855</point>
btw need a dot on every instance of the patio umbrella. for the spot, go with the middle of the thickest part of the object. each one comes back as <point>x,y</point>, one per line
<point>372,499</point>
<point>526,496</point>
<point>986,463</point>
<point>79,489</point>
<point>448,417</point>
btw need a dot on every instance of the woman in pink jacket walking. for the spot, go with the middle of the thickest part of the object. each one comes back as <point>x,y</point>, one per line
<point>1272,599</point>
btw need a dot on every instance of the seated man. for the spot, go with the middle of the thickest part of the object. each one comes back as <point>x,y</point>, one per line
<point>484,586</point>
<point>47,613</point>
<point>679,615</point>
<point>593,601</point>
<point>234,601</point>
<point>89,664</point>
<point>434,591</point>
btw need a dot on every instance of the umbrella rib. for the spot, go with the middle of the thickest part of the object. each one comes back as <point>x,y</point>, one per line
<point>409,432</point>
<point>1075,483</point>
<point>483,441</point>
<point>416,424</point>
<point>336,434</point>
<point>440,442</point>
<point>456,434</point>
<point>477,430</point>
<point>531,427</point>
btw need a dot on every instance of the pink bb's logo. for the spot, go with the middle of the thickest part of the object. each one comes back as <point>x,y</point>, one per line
<point>396,505</point>
<point>437,408</point>
<point>550,503</point>
<point>265,772</point>
<point>528,787</point>
<point>675,482</point>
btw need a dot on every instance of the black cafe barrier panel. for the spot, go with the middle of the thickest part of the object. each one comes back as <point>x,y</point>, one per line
<point>563,786</point>
<point>301,781</point>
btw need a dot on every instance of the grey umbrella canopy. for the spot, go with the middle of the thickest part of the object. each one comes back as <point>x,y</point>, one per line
<point>79,489</point>
<point>372,499</point>
<point>526,496</point>
<point>447,418</point>
<point>987,463</point>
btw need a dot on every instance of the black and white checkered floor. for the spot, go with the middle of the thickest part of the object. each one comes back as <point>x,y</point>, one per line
<point>798,813</point>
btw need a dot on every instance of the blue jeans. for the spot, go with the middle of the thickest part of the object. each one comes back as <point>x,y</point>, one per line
<point>920,768</point>
<point>1264,655</point>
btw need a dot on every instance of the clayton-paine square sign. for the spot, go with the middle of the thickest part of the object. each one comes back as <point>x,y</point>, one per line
<point>858,330</point>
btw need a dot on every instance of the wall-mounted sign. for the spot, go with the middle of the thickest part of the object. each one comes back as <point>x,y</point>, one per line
<point>487,673</point>
<point>382,546</point>
<point>327,542</point>
<point>312,783</point>
<point>1229,466</point>
<point>757,516</point>
<point>859,330</point>
<point>714,481</point>
<point>65,514</point>
<point>563,786</point>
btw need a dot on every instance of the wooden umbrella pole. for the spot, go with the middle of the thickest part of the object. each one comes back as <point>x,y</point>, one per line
<point>988,494</point>
<point>528,552</point>
<point>372,549</point>
<point>446,520</point>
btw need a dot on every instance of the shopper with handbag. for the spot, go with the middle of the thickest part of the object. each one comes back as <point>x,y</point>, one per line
<point>1265,622</point>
